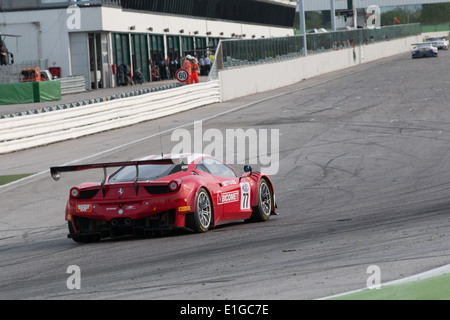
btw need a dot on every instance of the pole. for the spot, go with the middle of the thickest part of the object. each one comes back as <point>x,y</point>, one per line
<point>333,15</point>
<point>301,9</point>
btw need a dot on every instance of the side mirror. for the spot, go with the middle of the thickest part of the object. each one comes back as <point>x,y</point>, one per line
<point>248,168</point>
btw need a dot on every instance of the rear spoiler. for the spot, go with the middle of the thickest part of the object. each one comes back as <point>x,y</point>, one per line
<point>55,172</point>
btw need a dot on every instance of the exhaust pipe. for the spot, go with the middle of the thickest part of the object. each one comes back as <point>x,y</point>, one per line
<point>127,221</point>
<point>114,222</point>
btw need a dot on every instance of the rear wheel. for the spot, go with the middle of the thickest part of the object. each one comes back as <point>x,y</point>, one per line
<point>200,220</point>
<point>265,202</point>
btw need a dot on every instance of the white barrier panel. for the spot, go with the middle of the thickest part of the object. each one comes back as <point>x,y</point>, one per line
<point>239,82</point>
<point>30,131</point>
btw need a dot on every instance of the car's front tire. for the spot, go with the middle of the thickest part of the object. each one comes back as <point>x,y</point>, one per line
<point>264,209</point>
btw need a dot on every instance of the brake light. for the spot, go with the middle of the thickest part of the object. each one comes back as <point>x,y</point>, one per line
<point>74,193</point>
<point>174,185</point>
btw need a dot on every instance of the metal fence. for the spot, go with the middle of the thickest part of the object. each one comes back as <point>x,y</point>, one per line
<point>11,73</point>
<point>436,28</point>
<point>236,53</point>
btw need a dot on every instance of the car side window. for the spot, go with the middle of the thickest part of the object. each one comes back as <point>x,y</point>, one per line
<point>216,168</point>
<point>200,166</point>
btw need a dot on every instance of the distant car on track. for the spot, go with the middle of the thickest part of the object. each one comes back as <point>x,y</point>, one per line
<point>425,49</point>
<point>440,43</point>
<point>162,193</point>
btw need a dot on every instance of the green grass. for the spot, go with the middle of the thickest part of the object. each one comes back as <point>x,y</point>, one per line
<point>11,178</point>
<point>435,288</point>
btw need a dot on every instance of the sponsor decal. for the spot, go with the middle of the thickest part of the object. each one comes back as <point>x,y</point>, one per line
<point>228,183</point>
<point>84,207</point>
<point>227,197</point>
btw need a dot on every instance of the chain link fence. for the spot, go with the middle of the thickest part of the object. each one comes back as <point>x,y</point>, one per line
<point>236,53</point>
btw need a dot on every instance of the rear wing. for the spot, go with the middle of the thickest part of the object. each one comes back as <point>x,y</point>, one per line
<point>55,172</point>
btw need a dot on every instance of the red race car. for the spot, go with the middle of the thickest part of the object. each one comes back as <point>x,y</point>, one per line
<point>162,193</point>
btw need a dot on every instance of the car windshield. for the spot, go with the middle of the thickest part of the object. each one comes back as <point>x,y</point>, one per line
<point>146,172</point>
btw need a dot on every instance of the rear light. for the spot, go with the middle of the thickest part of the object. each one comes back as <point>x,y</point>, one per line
<point>74,193</point>
<point>174,185</point>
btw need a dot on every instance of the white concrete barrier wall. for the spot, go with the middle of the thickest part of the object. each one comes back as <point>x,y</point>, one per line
<point>40,129</point>
<point>239,82</point>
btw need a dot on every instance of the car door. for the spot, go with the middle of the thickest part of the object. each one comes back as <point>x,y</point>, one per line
<point>233,196</point>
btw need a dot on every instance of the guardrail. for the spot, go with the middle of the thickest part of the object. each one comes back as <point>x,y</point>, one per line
<point>73,84</point>
<point>40,129</point>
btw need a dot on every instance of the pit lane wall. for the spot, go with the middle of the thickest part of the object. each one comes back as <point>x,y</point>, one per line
<point>239,82</point>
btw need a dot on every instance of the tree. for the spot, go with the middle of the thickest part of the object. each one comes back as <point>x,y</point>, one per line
<point>435,13</point>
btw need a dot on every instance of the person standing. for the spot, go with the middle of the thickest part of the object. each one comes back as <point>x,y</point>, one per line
<point>201,62</point>
<point>173,68</point>
<point>194,70</point>
<point>187,67</point>
<point>207,65</point>
<point>162,69</point>
<point>3,55</point>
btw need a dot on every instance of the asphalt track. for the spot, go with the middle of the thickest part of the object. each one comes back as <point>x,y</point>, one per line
<point>363,180</point>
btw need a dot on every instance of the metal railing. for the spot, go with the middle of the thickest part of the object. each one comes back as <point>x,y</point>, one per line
<point>236,53</point>
<point>11,73</point>
<point>436,28</point>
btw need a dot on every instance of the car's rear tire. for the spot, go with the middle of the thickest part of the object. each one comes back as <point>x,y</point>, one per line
<point>265,205</point>
<point>200,220</point>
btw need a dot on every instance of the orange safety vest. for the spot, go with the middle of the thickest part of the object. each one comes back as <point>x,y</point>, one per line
<point>195,67</point>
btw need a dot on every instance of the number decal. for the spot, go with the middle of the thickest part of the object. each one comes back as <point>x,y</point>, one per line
<point>245,196</point>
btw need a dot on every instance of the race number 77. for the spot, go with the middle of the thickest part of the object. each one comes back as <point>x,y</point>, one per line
<point>245,196</point>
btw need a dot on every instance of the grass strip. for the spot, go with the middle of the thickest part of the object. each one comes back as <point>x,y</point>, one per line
<point>10,178</point>
<point>435,288</point>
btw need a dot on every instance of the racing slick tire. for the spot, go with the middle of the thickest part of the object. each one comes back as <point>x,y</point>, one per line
<point>263,211</point>
<point>200,220</point>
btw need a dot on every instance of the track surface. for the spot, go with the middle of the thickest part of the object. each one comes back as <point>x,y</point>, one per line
<point>363,180</point>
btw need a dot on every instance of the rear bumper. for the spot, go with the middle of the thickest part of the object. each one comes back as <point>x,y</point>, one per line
<point>82,229</point>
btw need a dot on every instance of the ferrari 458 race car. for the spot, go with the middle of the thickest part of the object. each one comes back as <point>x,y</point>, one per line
<point>425,49</point>
<point>162,193</point>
